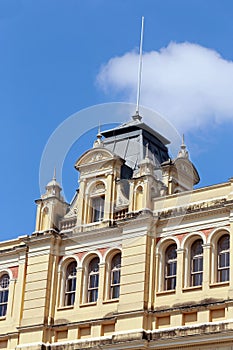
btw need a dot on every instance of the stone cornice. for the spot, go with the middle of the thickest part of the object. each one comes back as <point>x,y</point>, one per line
<point>13,250</point>
<point>205,207</point>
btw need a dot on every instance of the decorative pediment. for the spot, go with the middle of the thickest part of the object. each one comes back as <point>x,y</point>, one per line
<point>95,156</point>
<point>185,167</point>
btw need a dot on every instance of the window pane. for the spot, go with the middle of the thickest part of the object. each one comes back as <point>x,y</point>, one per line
<point>94,281</point>
<point>94,265</point>
<point>70,283</point>
<point>5,296</point>
<point>116,277</point>
<point>197,279</point>
<point>115,292</point>
<point>1,297</point>
<point>116,261</point>
<point>69,299</point>
<point>3,309</point>
<point>97,208</point>
<point>93,295</point>
<point>222,260</point>
<point>224,243</point>
<point>224,275</point>
<point>171,283</point>
<point>171,252</point>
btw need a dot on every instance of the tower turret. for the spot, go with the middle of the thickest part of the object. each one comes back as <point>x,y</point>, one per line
<point>50,207</point>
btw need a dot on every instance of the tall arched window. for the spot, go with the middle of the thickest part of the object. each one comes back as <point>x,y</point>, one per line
<point>223,258</point>
<point>115,276</point>
<point>70,284</point>
<point>196,267</point>
<point>97,207</point>
<point>4,292</point>
<point>93,280</point>
<point>170,267</point>
<point>97,202</point>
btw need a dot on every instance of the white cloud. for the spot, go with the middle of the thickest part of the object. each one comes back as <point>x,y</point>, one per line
<point>189,84</point>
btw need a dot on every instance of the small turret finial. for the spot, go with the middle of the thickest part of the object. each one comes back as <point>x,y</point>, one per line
<point>54,174</point>
<point>99,136</point>
<point>183,153</point>
<point>183,144</point>
<point>137,115</point>
<point>98,141</point>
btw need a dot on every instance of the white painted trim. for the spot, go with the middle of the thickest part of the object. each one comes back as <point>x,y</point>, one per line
<point>163,241</point>
<point>191,237</point>
<point>88,257</point>
<point>216,231</point>
<point>66,260</point>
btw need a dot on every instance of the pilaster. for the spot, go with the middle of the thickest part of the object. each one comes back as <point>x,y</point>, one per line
<point>179,272</point>
<point>81,201</point>
<point>206,268</point>
<point>101,283</point>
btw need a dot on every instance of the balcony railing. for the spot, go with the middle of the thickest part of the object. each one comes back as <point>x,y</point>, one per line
<point>68,224</point>
<point>121,214</point>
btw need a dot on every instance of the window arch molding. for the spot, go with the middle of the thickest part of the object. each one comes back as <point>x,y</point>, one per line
<point>88,257</point>
<point>191,237</point>
<point>62,271</point>
<point>163,243</point>
<point>161,249</point>
<point>64,262</point>
<point>8,271</point>
<point>214,239</point>
<point>216,233</point>
<point>187,244</point>
<point>90,189</point>
<point>108,258</point>
<point>85,263</point>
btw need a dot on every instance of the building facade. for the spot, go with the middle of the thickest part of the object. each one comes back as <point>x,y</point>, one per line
<point>138,260</point>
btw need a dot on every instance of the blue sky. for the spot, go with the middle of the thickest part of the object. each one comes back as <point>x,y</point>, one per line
<point>61,56</point>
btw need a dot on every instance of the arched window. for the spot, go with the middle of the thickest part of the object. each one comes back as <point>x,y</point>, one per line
<point>170,267</point>
<point>93,280</point>
<point>223,258</point>
<point>4,292</point>
<point>97,207</point>
<point>196,267</point>
<point>97,202</point>
<point>70,284</point>
<point>115,276</point>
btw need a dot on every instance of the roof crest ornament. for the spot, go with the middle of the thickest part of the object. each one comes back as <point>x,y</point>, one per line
<point>183,153</point>
<point>98,141</point>
<point>54,174</point>
<point>137,115</point>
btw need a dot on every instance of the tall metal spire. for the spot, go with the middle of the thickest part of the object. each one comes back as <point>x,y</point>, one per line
<point>137,115</point>
<point>183,153</point>
<point>54,174</point>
